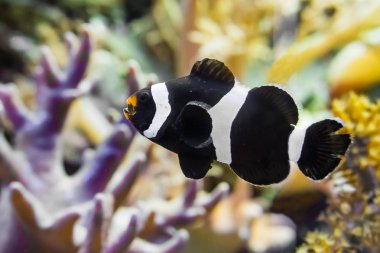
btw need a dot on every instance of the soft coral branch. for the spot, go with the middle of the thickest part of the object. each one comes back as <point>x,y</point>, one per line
<point>60,89</point>
<point>15,112</point>
<point>191,209</point>
<point>132,80</point>
<point>174,244</point>
<point>57,105</point>
<point>49,71</point>
<point>71,42</point>
<point>78,62</point>
<point>210,201</point>
<point>163,216</point>
<point>126,177</point>
<point>53,230</point>
<point>38,135</point>
<point>8,170</point>
<point>124,239</point>
<point>107,159</point>
<point>99,219</point>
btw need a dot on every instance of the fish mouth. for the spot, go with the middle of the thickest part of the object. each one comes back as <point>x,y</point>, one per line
<point>129,111</point>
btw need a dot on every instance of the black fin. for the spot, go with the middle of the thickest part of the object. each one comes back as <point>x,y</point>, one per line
<point>321,149</point>
<point>194,125</point>
<point>279,100</point>
<point>214,69</point>
<point>262,172</point>
<point>193,166</point>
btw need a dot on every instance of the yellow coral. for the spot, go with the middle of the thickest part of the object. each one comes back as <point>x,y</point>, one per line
<point>234,30</point>
<point>362,118</point>
<point>321,242</point>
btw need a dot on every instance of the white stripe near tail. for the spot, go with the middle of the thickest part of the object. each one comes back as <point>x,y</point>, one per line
<point>295,143</point>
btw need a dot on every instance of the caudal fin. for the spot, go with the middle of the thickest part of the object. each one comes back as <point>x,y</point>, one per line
<point>321,148</point>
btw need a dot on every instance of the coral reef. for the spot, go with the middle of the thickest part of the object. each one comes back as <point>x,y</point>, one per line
<point>43,209</point>
<point>75,176</point>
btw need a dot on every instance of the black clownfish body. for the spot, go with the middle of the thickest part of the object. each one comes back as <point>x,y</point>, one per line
<point>209,116</point>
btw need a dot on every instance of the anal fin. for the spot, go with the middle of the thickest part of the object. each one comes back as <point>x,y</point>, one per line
<point>262,172</point>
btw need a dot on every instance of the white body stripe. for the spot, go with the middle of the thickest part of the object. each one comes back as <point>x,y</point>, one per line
<point>222,115</point>
<point>160,96</point>
<point>295,143</point>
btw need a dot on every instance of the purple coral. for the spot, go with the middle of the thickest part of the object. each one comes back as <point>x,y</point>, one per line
<point>45,210</point>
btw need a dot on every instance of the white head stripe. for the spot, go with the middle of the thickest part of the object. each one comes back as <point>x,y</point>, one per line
<point>160,96</point>
<point>223,115</point>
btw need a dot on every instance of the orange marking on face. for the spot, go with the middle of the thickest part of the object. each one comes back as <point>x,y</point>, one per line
<point>132,100</point>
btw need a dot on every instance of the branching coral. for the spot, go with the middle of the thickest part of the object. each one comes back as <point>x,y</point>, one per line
<point>353,215</point>
<point>320,34</point>
<point>362,118</point>
<point>45,210</point>
<point>233,31</point>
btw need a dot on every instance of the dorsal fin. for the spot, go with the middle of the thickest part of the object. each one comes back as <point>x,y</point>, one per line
<point>214,69</point>
<point>278,99</point>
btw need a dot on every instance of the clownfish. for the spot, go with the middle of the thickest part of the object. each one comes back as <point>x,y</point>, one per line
<point>209,116</point>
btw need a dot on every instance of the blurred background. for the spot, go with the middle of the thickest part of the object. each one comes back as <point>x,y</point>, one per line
<point>75,176</point>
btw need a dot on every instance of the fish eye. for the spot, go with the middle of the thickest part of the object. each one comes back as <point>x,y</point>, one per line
<point>143,97</point>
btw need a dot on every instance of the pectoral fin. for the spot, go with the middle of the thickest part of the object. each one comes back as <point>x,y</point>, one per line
<point>194,167</point>
<point>194,125</point>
